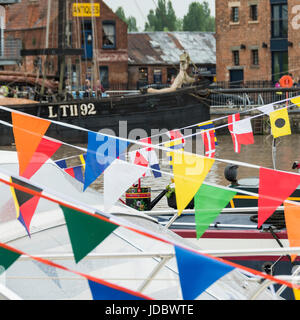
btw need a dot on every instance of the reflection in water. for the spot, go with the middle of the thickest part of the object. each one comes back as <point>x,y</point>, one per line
<point>260,153</point>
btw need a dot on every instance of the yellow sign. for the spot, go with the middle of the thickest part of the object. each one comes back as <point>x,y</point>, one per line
<point>86,9</point>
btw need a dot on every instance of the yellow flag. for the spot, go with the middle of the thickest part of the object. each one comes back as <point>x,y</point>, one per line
<point>297,294</point>
<point>189,172</point>
<point>296,101</point>
<point>280,123</point>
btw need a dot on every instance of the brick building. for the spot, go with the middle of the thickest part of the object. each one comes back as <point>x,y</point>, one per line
<point>153,57</point>
<point>103,38</point>
<point>257,40</point>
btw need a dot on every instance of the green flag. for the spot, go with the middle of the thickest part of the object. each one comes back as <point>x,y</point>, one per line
<point>85,231</point>
<point>7,258</point>
<point>209,202</point>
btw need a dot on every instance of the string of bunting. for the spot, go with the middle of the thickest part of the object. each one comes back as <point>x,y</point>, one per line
<point>186,187</point>
<point>210,269</point>
<point>42,148</point>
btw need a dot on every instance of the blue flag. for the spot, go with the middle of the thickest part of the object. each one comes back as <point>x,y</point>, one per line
<point>101,152</point>
<point>197,272</point>
<point>102,292</point>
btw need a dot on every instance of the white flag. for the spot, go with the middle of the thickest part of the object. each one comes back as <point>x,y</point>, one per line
<point>119,177</point>
<point>266,109</point>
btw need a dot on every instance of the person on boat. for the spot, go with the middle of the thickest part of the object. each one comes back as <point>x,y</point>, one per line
<point>182,77</point>
<point>87,88</point>
<point>99,89</point>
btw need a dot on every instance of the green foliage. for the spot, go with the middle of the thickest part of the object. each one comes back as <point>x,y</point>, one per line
<point>130,21</point>
<point>198,18</point>
<point>163,19</point>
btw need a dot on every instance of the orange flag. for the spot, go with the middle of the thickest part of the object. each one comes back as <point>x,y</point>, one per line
<point>28,133</point>
<point>292,221</point>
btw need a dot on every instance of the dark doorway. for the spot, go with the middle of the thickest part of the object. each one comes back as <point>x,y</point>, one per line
<point>236,78</point>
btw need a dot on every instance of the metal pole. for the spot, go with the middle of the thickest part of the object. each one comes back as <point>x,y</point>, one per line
<point>153,273</point>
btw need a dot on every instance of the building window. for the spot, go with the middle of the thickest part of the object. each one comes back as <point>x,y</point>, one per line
<point>108,35</point>
<point>236,57</point>
<point>157,76</point>
<point>253,12</point>
<point>279,21</point>
<point>104,76</point>
<point>143,74</point>
<point>280,64</point>
<point>235,14</point>
<point>254,57</point>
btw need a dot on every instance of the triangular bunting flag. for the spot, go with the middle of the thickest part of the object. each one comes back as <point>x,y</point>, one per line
<point>25,203</point>
<point>28,132</point>
<point>104,292</point>
<point>189,172</point>
<point>280,123</point>
<point>7,258</point>
<point>292,222</point>
<point>44,151</point>
<point>297,294</point>
<point>274,188</point>
<point>209,202</point>
<point>76,172</point>
<point>102,151</point>
<point>85,231</point>
<point>197,272</point>
<point>118,178</point>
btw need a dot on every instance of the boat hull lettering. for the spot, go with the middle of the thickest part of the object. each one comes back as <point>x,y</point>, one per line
<point>72,110</point>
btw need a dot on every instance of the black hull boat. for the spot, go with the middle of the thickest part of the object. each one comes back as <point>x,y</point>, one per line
<point>121,114</point>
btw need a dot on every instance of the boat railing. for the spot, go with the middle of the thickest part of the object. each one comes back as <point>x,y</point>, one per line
<point>249,97</point>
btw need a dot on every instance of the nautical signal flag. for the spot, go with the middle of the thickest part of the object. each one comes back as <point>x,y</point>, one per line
<point>296,101</point>
<point>240,130</point>
<point>274,187</point>
<point>209,138</point>
<point>280,123</point>
<point>208,125</point>
<point>177,143</point>
<point>101,152</point>
<point>25,203</point>
<point>28,132</point>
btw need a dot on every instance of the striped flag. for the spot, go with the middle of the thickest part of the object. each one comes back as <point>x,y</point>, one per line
<point>177,143</point>
<point>240,130</point>
<point>207,126</point>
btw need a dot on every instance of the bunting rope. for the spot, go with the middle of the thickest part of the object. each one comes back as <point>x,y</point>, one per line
<point>81,274</point>
<point>147,145</point>
<point>132,227</point>
<point>214,120</point>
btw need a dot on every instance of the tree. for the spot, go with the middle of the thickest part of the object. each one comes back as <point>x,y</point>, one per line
<point>130,21</point>
<point>198,18</point>
<point>163,19</point>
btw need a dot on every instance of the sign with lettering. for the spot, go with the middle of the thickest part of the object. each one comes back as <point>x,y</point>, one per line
<point>86,9</point>
<point>72,110</point>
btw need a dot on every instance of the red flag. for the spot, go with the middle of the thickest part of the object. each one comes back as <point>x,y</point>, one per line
<point>44,151</point>
<point>240,130</point>
<point>274,188</point>
<point>208,138</point>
